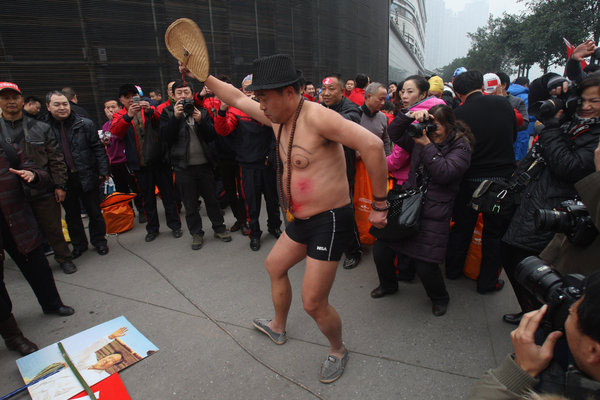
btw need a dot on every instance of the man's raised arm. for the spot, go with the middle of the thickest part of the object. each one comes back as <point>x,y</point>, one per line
<point>235,98</point>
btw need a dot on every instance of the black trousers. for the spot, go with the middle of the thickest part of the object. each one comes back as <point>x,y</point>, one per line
<point>230,175</point>
<point>125,183</point>
<point>257,182</point>
<point>465,219</point>
<point>36,271</point>
<point>47,213</point>
<point>91,203</point>
<point>511,257</point>
<point>354,250</point>
<point>158,176</point>
<point>195,181</point>
<point>429,273</point>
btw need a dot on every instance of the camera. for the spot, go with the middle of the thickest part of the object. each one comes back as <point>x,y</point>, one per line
<point>188,107</point>
<point>567,101</point>
<point>416,130</point>
<point>571,218</point>
<point>136,99</point>
<point>549,287</point>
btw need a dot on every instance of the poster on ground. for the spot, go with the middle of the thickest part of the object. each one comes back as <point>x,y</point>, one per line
<point>96,353</point>
<point>112,388</point>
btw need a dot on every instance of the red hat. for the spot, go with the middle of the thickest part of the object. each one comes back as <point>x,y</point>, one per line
<point>9,86</point>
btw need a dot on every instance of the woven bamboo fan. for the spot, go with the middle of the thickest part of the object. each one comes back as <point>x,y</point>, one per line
<point>186,43</point>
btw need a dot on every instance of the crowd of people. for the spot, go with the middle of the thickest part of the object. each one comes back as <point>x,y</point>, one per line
<point>221,146</point>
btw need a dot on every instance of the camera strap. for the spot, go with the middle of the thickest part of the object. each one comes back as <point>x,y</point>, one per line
<point>578,130</point>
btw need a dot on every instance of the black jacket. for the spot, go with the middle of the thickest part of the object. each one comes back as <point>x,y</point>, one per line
<point>89,154</point>
<point>494,125</point>
<point>568,158</point>
<point>349,110</point>
<point>177,136</point>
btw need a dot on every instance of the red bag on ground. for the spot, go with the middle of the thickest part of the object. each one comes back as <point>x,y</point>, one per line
<point>473,260</point>
<point>117,212</point>
<point>363,197</point>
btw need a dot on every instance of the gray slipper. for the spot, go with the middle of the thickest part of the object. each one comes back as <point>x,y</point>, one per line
<point>263,326</point>
<point>333,368</point>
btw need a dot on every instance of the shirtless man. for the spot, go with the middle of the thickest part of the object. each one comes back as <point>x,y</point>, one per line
<point>321,213</point>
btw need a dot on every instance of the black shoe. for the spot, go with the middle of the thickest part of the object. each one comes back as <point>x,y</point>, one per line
<point>380,292</point>
<point>439,309</point>
<point>142,218</point>
<point>63,311</point>
<point>14,339</point>
<point>498,287</point>
<point>77,252</point>
<point>177,233</point>
<point>150,236</point>
<point>255,243</point>
<point>514,319</point>
<point>48,251</point>
<point>350,263</point>
<point>236,226</point>
<point>275,232</point>
<point>68,267</point>
<point>102,249</point>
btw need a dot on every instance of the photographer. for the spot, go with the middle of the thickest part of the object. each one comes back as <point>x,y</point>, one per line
<point>534,367</point>
<point>187,129</point>
<point>563,156</point>
<point>439,158</point>
<point>566,256</point>
<point>137,124</point>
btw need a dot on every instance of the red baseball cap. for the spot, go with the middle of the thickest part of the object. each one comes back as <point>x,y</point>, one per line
<point>9,86</point>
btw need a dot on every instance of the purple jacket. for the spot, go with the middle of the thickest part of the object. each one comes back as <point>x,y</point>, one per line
<point>445,164</point>
<point>115,148</point>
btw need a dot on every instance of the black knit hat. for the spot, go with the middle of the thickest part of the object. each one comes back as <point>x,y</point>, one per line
<point>124,90</point>
<point>273,72</point>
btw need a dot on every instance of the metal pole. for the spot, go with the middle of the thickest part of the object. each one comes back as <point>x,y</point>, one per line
<point>256,25</point>
<point>90,64</point>
<point>160,64</point>
<point>212,35</point>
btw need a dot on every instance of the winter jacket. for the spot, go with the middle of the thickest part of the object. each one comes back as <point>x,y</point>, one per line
<point>519,104</point>
<point>569,258</point>
<point>351,112</point>
<point>253,142</point>
<point>521,145</point>
<point>509,382</point>
<point>398,164</point>
<point>115,148</point>
<point>357,96</point>
<point>494,125</point>
<point>568,157</point>
<point>176,135</point>
<point>89,154</point>
<point>15,210</point>
<point>378,124</point>
<point>38,143</point>
<point>140,149</point>
<point>444,165</point>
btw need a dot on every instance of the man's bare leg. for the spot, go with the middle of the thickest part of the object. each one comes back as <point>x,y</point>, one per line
<point>317,283</point>
<point>284,255</point>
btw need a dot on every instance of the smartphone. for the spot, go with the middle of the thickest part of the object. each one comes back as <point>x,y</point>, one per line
<point>136,99</point>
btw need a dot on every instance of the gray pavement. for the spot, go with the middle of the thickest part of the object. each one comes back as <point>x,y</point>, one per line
<point>399,350</point>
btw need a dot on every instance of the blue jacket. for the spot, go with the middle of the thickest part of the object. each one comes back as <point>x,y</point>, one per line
<point>522,143</point>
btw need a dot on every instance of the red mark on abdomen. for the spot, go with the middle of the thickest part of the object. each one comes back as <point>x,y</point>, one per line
<point>304,186</point>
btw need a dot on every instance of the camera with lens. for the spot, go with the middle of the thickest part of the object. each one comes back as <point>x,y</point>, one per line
<point>549,287</point>
<point>571,218</point>
<point>567,101</point>
<point>595,58</point>
<point>188,107</point>
<point>416,130</point>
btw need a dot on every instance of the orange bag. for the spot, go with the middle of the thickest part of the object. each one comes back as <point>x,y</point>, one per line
<point>117,213</point>
<point>473,261</point>
<point>363,197</point>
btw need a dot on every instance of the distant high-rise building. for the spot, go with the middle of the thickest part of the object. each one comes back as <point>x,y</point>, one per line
<point>446,31</point>
<point>407,38</point>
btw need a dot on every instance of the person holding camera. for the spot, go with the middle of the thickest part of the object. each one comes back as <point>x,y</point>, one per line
<point>440,155</point>
<point>540,368</point>
<point>187,131</point>
<point>138,124</point>
<point>563,156</point>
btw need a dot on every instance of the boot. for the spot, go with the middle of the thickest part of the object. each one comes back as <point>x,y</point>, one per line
<point>14,339</point>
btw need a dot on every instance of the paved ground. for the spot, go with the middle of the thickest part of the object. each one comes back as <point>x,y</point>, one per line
<point>398,348</point>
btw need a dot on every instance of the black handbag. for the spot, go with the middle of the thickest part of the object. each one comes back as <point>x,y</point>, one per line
<point>404,214</point>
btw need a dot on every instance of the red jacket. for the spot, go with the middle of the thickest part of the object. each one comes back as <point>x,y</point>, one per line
<point>227,124</point>
<point>121,124</point>
<point>309,97</point>
<point>212,104</point>
<point>162,106</point>
<point>357,96</point>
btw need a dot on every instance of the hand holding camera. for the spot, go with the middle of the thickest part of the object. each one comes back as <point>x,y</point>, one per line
<point>425,126</point>
<point>134,107</point>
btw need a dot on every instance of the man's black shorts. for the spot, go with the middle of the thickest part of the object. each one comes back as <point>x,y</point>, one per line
<point>326,235</point>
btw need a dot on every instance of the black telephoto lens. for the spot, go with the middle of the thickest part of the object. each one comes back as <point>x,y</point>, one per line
<point>538,278</point>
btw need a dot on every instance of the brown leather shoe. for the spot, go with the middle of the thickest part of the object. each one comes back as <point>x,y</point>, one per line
<point>380,292</point>
<point>14,339</point>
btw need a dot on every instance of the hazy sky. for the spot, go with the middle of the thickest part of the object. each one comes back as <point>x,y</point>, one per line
<point>497,7</point>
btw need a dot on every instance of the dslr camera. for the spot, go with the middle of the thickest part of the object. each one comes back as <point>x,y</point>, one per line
<point>549,287</point>
<point>416,130</point>
<point>571,218</point>
<point>567,101</point>
<point>188,107</point>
